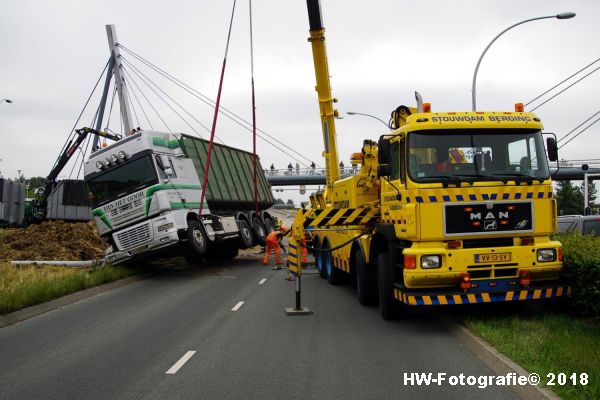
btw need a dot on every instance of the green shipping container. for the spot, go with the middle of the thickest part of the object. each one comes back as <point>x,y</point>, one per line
<point>230,180</point>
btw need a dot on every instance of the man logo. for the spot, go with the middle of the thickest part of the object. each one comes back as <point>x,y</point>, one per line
<point>490,225</point>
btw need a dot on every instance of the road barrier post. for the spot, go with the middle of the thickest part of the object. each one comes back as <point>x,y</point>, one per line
<point>295,265</point>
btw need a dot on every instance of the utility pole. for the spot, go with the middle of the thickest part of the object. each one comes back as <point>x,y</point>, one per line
<point>119,79</point>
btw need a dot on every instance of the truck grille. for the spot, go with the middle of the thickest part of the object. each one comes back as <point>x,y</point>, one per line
<point>487,218</point>
<point>126,212</point>
<point>133,237</point>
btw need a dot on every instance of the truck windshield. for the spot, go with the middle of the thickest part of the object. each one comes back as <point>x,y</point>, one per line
<point>477,155</point>
<point>121,180</point>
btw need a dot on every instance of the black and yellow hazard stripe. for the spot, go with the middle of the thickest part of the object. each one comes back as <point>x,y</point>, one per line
<point>481,297</point>
<point>478,194</point>
<point>293,260</point>
<point>341,263</point>
<point>327,217</point>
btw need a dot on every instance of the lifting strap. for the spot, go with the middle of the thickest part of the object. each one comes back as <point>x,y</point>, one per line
<point>214,124</point>
<point>253,110</point>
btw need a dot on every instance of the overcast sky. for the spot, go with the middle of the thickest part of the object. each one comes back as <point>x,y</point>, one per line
<point>380,52</point>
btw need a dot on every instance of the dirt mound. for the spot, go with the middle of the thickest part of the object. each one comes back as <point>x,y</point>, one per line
<point>52,240</point>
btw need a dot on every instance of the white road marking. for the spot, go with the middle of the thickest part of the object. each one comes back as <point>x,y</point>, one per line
<point>238,306</point>
<point>180,363</point>
<point>262,281</point>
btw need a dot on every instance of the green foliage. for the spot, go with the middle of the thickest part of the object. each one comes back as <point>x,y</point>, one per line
<point>542,340</point>
<point>569,198</point>
<point>28,285</point>
<point>582,270</point>
<point>34,183</point>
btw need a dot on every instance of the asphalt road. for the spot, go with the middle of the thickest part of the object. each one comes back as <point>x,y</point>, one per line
<point>128,343</point>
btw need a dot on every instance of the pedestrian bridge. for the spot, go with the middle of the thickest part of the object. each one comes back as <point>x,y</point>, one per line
<point>566,171</point>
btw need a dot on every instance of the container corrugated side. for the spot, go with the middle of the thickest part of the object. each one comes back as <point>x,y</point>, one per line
<point>230,180</point>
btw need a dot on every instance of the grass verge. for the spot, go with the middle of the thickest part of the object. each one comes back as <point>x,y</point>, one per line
<point>544,340</point>
<point>28,285</point>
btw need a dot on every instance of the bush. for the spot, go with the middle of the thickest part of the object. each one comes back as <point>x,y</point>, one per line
<point>582,270</point>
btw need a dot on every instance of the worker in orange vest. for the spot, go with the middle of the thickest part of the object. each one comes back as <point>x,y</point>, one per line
<point>274,243</point>
<point>307,237</point>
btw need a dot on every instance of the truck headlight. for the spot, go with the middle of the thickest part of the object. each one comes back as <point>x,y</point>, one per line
<point>122,155</point>
<point>109,249</point>
<point>165,227</point>
<point>113,158</point>
<point>431,262</point>
<point>99,164</point>
<point>546,255</point>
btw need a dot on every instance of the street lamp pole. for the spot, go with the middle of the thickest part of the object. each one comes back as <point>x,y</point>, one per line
<point>6,100</point>
<point>369,115</point>
<point>565,15</point>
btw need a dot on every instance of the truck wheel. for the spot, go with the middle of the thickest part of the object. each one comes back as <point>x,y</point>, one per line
<point>366,281</point>
<point>196,243</point>
<point>335,276</point>
<point>321,258</point>
<point>269,225</point>
<point>258,229</point>
<point>390,307</point>
<point>246,238</point>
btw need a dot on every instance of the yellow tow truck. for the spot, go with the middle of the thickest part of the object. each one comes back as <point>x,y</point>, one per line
<point>447,208</point>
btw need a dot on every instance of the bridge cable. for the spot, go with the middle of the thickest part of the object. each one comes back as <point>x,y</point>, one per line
<point>149,81</point>
<point>164,101</point>
<point>580,132</point>
<point>577,127</point>
<point>226,112</point>
<point>149,103</point>
<point>565,89</point>
<point>561,82</point>
<point>71,134</point>
<point>142,108</point>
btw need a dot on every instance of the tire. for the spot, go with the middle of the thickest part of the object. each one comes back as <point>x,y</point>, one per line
<point>335,276</point>
<point>269,225</point>
<point>258,229</point>
<point>196,244</point>
<point>246,238</point>
<point>321,260</point>
<point>366,281</point>
<point>390,307</point>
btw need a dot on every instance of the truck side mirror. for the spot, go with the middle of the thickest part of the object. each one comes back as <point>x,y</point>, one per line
<point>552,148</point>
<point>165,165</point>
<point>384,170</point>
<point>383,151</point>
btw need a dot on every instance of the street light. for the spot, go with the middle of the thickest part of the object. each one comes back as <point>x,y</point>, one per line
<point>6,100</point>
<point>565,15</point>
<point>369,115</point>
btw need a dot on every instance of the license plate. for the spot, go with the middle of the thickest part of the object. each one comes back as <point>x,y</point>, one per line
<point>492,257</point>
<point>139,249</point>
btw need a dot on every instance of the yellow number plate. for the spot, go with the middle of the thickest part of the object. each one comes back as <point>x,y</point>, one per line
<point>492,257</point>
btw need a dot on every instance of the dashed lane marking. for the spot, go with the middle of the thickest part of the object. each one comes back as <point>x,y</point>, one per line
<point>180,363</point>
<point>262,281</point>
<point>237,306</point>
